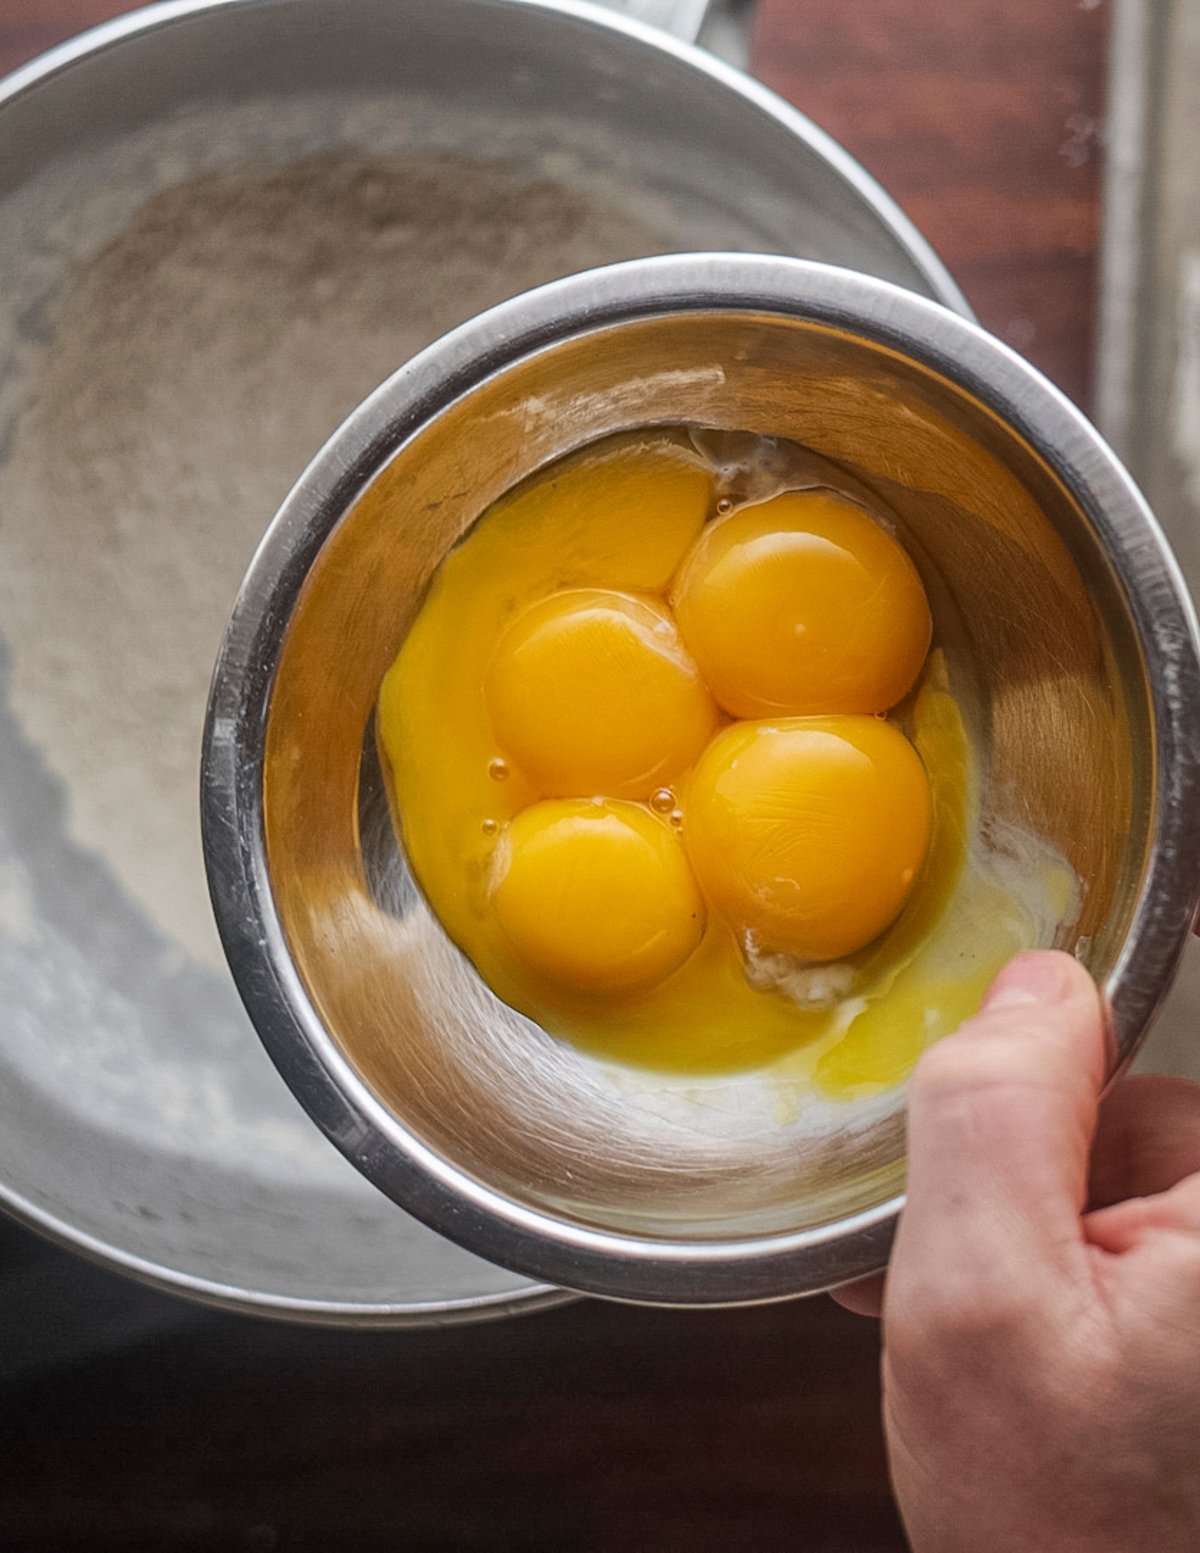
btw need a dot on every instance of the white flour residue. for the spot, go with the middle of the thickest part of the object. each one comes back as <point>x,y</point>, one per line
<point>18,914</point>
<point>198,363</point>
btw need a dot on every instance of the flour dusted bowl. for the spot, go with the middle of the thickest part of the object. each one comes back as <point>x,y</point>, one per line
<point>222,225</point>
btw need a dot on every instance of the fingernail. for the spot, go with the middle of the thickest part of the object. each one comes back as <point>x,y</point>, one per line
<point>1040,977</point>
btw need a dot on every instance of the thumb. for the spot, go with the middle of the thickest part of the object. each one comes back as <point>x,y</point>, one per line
<point>1001,1118</point>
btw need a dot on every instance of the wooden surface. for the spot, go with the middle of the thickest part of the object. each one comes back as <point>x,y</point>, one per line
<point>983,119</point>
<point>590,1427</point>
<point>29,26</point>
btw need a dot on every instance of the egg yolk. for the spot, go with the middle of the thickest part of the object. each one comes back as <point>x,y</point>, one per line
<point>596,895</point>
<point>592,692</point>
<point>808,833</point>
<point>801,605</point>
<point>804,896</point>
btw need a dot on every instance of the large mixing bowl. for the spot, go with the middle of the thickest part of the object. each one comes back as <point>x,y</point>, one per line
<point>557,1161</point>
<point>222,222</point>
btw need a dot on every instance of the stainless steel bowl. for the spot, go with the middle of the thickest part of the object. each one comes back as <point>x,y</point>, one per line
<point>139,1120</point>
<point>657,1187</point>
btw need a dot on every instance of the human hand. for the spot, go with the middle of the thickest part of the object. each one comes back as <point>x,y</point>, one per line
<point>1041,1313</point>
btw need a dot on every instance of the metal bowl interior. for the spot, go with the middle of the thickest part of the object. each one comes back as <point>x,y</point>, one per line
<point>600,1177</point>
<point>139,1120</point>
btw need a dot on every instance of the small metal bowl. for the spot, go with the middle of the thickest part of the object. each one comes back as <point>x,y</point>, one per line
<point>518,1146</point>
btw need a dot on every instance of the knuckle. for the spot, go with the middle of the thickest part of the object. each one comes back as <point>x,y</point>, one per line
<point>960,1317</point>
<point>962,1058</point>
<point>940,1066</point>
<point>950,1078</point>
<point>983,1063</point>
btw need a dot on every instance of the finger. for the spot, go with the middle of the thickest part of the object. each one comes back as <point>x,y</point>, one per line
<point>1144,1258</point>
<point>1001,1118</point>
<point>864,1298</point>
<point>1147,1140</point>
<point>1128,1225</point>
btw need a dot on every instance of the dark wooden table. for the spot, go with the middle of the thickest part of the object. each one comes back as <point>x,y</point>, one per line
<point>983,118</point>
<point>593,1426</point>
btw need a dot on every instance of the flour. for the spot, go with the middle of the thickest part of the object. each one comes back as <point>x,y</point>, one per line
<point>198,362</point>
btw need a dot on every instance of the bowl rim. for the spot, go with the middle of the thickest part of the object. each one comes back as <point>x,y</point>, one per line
<point>536,1241</point>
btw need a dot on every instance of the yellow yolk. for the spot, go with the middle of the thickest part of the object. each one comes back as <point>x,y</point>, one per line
<point>596,896</point>
<point>661,887</point>
<point>808,833</point>
<point>592,692</point>
<point>801,605</point>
